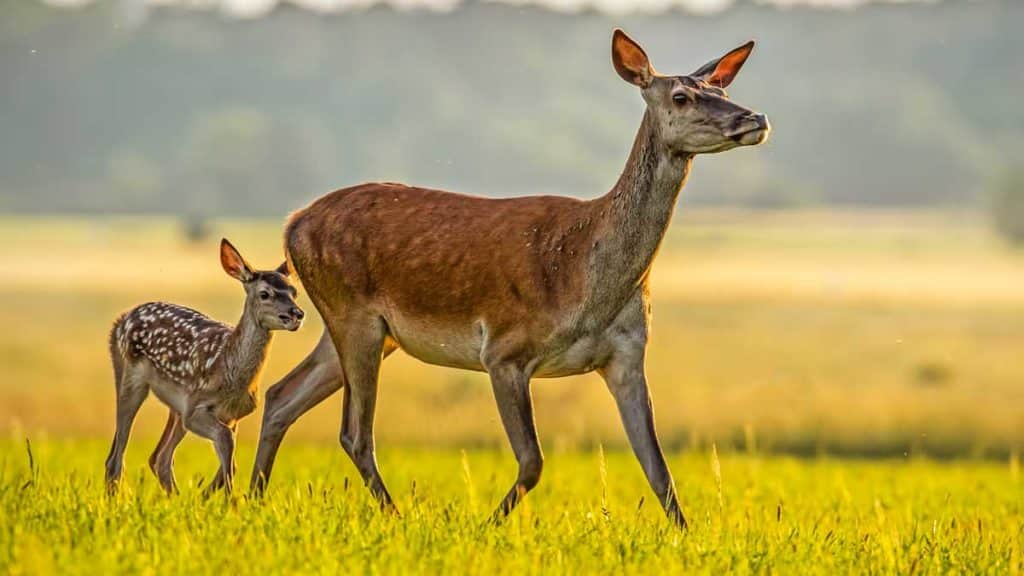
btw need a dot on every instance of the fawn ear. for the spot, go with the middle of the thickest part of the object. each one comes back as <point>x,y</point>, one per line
<point>630,60</point>
<point>284,269</point>
<point>233,263</point>
<point>722,71</point>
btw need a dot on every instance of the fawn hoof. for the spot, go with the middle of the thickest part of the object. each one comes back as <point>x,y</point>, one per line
<point>677,518</point>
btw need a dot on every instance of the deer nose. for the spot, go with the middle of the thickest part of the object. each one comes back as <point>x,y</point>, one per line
<point>298,313</point>
<point>760,119</point>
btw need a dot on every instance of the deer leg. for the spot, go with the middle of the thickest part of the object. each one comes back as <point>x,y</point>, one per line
<point>512,393</point>
<point>216,483</point>
<point>308,384</point>
<point>627,382</point>
<point>360,347</point>
<point>162,460</point>
<point>131,392</point>
<point>202,420</point>
<point>219,478</point>
<point>163,440</point>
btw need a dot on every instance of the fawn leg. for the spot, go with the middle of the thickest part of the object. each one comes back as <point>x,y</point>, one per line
<point>202,421</point>
<point>131,392</point>
<point>219,478</point>
<point>161,462</point>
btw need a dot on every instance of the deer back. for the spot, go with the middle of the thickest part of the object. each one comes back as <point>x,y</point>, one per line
<point>183,344</point>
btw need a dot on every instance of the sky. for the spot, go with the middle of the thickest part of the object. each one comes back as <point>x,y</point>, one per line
<point>258,8</point>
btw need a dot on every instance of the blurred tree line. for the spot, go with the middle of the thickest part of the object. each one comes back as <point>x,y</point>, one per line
<point>119,107</point>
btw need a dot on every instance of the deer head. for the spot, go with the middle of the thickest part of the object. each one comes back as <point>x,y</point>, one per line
<point>269,294</point>
<point>692,114</point>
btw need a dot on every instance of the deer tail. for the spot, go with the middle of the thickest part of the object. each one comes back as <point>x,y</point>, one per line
<point>118,347</point>
<point>291,239</point>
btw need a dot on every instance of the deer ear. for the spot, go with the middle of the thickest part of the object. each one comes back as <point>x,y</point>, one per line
<point>233,263</point>
<point>284,269</point>
<point>721,72</point>
<point>630,60</point>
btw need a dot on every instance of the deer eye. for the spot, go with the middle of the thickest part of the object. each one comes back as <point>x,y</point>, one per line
<point>264,295</point>
<point>680,98</point>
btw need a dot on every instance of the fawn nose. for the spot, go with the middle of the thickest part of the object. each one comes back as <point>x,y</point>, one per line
<point>298,313</point>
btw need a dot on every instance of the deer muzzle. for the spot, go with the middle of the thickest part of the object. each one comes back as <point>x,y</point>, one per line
<point>752,129</point>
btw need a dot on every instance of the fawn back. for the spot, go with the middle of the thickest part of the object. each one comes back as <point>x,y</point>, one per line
<point>181,343</point>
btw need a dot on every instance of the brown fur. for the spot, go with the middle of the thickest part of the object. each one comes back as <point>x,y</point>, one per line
<point>419,251</point>
<point>521,288</point>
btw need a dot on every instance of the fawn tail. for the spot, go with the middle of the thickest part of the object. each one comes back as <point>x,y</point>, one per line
<point>118,348</point>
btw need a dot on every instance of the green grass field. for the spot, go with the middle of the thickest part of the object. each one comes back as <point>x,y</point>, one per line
<point>591,514</point>
<point>859,373</point>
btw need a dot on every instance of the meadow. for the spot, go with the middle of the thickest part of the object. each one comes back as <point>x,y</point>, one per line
<point>859,375</point>
<point>591,514</point>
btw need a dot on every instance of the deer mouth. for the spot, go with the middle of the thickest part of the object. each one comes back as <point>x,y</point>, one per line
<point>751,137</point>
<point>753,133</point>
<point>290,323</point>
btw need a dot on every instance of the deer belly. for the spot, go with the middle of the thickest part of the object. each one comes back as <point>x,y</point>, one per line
<point>170,393</point>
<point>236,406</point>
<point>582,355</point>
<point>442,344</point>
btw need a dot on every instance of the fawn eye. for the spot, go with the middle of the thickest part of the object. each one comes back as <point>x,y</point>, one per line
<point>264,295</point>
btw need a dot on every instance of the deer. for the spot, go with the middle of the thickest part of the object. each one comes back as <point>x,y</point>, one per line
<point>520,288</point>
<point>206,372</point>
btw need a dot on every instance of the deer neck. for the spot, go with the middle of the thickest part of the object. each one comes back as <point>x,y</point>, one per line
<point>245,352</point>
<point>636,213</point>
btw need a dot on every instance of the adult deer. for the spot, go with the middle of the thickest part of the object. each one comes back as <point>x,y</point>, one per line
<point>521,288</point>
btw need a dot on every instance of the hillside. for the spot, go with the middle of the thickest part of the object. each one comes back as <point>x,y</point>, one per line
<point>187,111</point>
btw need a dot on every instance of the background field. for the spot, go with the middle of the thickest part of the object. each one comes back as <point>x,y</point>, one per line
<point>880,333</point>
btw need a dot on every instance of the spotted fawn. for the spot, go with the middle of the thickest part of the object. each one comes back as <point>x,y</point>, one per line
<point>204,371</point>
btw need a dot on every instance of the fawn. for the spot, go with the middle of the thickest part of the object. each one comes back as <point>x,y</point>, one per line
<point>206,372</point>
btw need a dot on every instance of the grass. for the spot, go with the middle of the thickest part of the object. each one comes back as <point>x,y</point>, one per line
<point>893,338</point>
<point>764,515</point>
